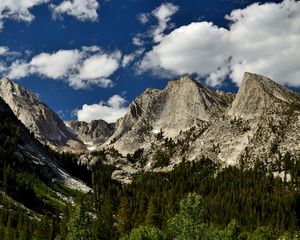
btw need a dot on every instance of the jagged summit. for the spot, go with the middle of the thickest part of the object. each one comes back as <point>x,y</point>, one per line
<point>257,94</point>
<point>38,117</point>
<point>93,133</point>
<point>181,105</point>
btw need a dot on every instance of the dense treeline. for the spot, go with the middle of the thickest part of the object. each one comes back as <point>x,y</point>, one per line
<point>29,205</point>
<point>254,197</point>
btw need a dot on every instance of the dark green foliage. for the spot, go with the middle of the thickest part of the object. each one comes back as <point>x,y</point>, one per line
<point>145,233</point>
<point>161,159</point>
<point>189,224</point>
<point>70,163</point>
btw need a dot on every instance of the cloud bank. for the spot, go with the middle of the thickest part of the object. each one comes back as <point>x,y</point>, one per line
<point>262,38</point>
<point>83,10</point>
<point>20,10</point>
<point>109,111</point>
<point>80,68</point>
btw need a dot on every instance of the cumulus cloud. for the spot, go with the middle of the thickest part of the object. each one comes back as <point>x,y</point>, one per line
<point>79,68</point>
<point>56,65</point>
<point>83,10</point>
<point>262,38</point>
<point>143,18</point>
<point>129,58</point>
<point>3,50</point>
<point>109,111</point>
<point>18,10</point>
<point>163,15</point>
<point>137,40</point>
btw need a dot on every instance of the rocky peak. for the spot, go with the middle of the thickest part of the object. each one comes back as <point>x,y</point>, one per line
<point>95,132</point>
<point>258,93</point>
<point>181,105</point>
<point>38,117</point>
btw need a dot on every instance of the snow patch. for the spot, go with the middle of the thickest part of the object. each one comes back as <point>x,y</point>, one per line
<point>156,131</point>
<point>91,148</point>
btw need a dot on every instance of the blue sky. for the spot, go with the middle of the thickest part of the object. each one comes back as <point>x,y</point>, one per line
<point>102,54</point>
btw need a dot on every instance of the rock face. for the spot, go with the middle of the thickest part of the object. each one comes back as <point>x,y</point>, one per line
<point>182,104</point>
<point>38,117</point>
<point>257,94</point>
<point>32,154</point>
<point>184,121</point>
<point>92,134</point>
<point>262,124</point>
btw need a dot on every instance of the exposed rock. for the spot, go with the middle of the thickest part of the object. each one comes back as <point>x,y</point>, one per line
<point>263,116</point>
<point>32,154</point>
<point>38,118</point>
<point>181,105</point>
<point>188,121</point>
<point>92,134</point>
<point>257,94</point>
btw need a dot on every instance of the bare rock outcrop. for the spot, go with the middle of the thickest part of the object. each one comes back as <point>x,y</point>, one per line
<point>38,117</point>
<point>183,104</point>
<point>92,134</point>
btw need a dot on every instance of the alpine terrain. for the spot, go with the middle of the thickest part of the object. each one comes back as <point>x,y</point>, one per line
<point>78,180</point>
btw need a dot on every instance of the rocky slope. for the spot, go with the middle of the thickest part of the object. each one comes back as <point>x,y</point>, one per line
<point>32,155</point>
<point>92,134</point>
<point>181,105</point>
<point>260,123</point>
<point>38,117</point>
<point>187,121</point>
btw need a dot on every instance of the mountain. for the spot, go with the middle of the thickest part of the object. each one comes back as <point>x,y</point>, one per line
<point>29,153</point>
<point>261,125</point>
<point>187,121</point>
<point>172,141</point>
<point>38,117</point>
<point>181,105</point>
<point>184,121</point>
<point>258,94</point>
<point>92,134</point>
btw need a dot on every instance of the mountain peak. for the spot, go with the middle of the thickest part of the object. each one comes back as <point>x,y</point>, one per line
<point>258,93</point>
<point>182,104</point>
<point>37,116</point>
<point>185,81</point>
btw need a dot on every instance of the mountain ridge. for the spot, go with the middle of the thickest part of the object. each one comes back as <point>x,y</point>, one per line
<point>38,117</point>
<point>188,121</point>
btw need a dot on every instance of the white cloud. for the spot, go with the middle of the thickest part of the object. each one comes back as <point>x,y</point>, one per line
<point>143,18</point>
<point>262,38</point>
<point>100,65</point>
<point>3,50</point>
<point>18,10</point>
<point>137,40</point>
<point>79,68</point>
<point>18,69</point>
<point>83,10</point>
<point>129,58</point>
<point>56,65</point>
<point>110,112</point>
<point>163,14</point>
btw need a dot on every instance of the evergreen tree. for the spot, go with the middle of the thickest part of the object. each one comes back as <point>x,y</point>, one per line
<point>80,225</point>
<point>123,217</point>
<point>189,223</point>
